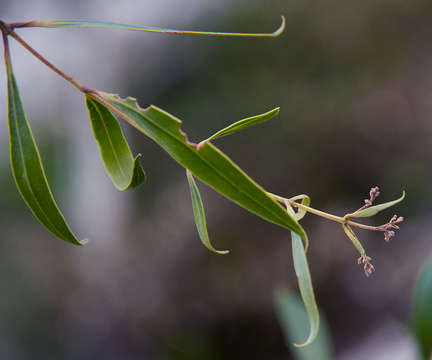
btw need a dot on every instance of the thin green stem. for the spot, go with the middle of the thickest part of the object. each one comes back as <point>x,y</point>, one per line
<point>339,219</point>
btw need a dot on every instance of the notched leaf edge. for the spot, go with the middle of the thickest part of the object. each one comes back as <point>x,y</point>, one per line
<point>129,100</point>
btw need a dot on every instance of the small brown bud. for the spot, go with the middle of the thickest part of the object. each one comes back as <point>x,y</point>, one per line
<point>367,267</point>
<point>388,234</point>
<point>373,194</point>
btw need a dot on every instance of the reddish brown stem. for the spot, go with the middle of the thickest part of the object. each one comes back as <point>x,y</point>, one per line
<point>46,62</point>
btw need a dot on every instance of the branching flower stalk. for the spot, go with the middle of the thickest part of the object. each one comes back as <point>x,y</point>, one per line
<point>203,161</point>
<point>386,228</point>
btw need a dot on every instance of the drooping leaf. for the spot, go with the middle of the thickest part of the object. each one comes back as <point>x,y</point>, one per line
<point>124,171</point>
<point>241,125</point>
<point>301,268</point>
<point>294,323</point>
<point>27,166</point>
<point>208,164</point>
<point>200,218</point>
<point>373,210</point>
<point>80,23</point>
<point>422,314</point>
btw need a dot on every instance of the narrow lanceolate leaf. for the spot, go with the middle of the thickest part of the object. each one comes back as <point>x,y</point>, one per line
<point>124,171</point>
<point>28,170</point>
<point>295,325</point>
<point>208,164</point>
<point>422,314</point>
<point>80,23</point>
<point>241,124</point>
<point>306,290</point>
<point>373,210</point>
<point>200,218</point>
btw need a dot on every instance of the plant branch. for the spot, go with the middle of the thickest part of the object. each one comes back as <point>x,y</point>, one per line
<point>323,214</point>
<point>5,31</point>
<point>46,62</point>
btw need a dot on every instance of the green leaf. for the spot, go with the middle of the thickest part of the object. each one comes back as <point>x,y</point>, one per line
<point>373,210</point>
<point>422,314</point>
<point>200,218</point>
<point>294,323</point>
<point>80,23</point>
<point>27,167</point>
<point>209,164</point>
<point>241,124</point>
<point>306,290</point>
<point>124,171</point>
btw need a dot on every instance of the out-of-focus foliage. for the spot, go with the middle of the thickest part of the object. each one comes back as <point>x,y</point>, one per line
<point>302,271</point>
<point>294,323</point>
<point>422,312</point>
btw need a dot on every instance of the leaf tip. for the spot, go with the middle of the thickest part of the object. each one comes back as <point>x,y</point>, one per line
<point>308,341</point>
<point>221,252</point>
<point>83,242</point>
<point>281,28</point>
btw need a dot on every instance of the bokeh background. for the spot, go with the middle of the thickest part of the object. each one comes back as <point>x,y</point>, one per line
<point>354,82</point>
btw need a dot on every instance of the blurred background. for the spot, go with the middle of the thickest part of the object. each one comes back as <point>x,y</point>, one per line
<point>354,82</point>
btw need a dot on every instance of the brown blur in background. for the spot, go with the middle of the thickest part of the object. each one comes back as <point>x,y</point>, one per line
<point>354,83</point>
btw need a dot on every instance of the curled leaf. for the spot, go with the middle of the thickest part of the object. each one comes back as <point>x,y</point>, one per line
<point>27,166</point>
<point>209,164</point>
<point>200,218</point>
<point>301,268</point>
<point>373,210</point>
<point>292,213</point>
<point>241,125</point>
<point>305,200</point>
<point>80,23</point>
<point>124,171</point>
